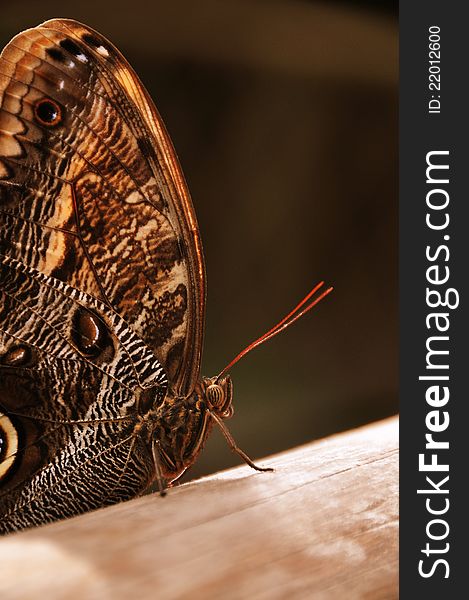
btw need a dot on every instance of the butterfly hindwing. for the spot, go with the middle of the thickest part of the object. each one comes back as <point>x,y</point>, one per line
<point>67,398</point>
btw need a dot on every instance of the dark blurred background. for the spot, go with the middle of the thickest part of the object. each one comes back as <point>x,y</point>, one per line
<point>284,116</point>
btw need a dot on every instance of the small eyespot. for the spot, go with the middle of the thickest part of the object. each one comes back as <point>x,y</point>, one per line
<point>17,356</point>
<point>90,335</point>
<point>88,332</point>
<point>48,112</point>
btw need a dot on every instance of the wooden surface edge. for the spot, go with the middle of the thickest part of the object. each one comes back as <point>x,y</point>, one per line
<point>323,525</point>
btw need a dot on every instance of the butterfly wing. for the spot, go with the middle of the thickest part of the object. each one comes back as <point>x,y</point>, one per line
<point>102,282</point>
<point>96,197</point>
<point>68,409</point>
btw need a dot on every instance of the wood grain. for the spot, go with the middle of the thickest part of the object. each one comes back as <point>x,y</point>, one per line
<point>323,525</point>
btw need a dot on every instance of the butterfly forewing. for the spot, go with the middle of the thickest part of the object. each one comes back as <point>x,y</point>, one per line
<point>99,199</point>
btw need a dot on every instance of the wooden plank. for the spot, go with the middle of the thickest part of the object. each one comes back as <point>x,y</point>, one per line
<point>323,525</point>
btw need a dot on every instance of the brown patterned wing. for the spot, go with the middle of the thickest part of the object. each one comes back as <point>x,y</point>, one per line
<point>69,403</point>
<point>91,192</point>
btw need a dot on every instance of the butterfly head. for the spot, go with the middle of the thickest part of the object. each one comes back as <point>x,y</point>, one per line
<point>218,394</point>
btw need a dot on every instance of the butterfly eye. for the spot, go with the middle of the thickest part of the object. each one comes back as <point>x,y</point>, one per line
<point>8,445</point>
<point>215,395</point>
<point>48,112</point>
<point>219,395</point>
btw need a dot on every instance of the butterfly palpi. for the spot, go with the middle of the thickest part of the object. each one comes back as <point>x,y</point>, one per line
<point>102,286</point>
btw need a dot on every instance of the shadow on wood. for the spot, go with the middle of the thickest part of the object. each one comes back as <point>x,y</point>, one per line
<point>323,525</point>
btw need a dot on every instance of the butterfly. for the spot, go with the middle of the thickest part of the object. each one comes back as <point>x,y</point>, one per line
<point>102,286</point>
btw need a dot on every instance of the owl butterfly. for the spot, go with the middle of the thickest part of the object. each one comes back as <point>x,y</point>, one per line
<point>102,286</point>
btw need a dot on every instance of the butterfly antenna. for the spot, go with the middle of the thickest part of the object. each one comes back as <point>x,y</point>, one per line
<point>288,320</point>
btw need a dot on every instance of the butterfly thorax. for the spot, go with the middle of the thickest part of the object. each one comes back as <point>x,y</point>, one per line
<point>178,427</point>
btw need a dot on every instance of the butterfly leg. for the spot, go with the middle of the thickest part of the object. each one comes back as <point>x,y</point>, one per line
<point>160,480</point>
<point>232,444</point>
